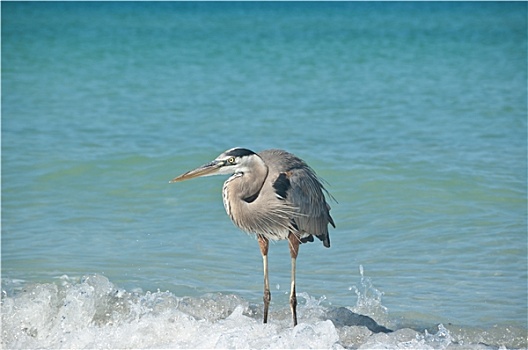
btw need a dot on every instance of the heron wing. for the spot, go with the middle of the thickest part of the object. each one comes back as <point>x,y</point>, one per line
<point>298,184</point>
<point>306,193</point>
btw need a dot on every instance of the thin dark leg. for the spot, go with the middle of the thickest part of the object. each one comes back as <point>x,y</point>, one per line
<point>294,250</point>
<point>264,244</point>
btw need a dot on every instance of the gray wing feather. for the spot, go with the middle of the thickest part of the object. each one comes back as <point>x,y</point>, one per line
<point>305,192</point>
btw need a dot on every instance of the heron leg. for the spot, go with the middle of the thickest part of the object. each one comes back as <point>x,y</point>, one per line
<point>294,250</point>
<point>264,244</point>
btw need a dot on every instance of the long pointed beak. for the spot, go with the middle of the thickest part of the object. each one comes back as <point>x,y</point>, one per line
<point>204,170</point>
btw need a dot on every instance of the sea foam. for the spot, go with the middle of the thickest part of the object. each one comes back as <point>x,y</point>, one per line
<point>93,313</point>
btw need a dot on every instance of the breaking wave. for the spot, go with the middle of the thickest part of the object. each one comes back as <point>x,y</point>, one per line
<point>93,313</point>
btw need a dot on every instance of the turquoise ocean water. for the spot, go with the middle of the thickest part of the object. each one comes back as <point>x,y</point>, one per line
<point>414,113</point>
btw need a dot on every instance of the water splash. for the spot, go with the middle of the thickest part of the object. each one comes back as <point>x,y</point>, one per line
<point>369,299</point>
<point>440,340</point>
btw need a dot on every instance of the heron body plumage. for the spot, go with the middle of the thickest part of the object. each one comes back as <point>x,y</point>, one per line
<point>274,195</point>
<point>290,192</point>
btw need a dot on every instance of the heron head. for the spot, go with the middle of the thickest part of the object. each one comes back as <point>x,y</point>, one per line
<point>231,161</point>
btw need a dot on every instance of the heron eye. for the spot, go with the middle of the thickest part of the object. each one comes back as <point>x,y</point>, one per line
<point>231,160</point>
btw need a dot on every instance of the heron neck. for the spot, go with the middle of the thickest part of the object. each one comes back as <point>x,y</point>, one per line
<point>242,189</point>
<point>247,186</point>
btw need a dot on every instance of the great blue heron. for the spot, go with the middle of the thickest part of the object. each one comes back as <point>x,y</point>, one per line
<point>274,195</point>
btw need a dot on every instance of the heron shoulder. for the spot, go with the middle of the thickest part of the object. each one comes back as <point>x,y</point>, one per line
<point>281,161</point>
<point>282,185</point>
